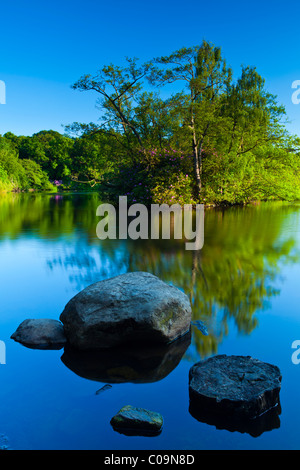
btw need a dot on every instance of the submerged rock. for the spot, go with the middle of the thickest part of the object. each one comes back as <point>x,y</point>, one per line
<point>137,421</point>
<point>130,308</point>
<point>234,386</point>
<point>40,333</point>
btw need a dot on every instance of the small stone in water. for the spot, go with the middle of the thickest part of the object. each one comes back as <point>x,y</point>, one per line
<point>137,421</point>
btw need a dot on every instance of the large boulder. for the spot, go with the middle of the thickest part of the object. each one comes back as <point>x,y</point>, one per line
<point>40,333</point>
<point>234,386</point>
<point>131,308</point>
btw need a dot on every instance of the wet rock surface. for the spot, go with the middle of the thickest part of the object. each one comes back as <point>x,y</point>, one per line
<point>40,333</point>
<point>133,307</point>
<point>234,387</point>
<point>137,421</point>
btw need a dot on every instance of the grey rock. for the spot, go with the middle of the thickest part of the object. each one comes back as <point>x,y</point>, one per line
<point>234,386</point>
<point>40,333</point>
<point>130,308</point>
<point>137,421</point>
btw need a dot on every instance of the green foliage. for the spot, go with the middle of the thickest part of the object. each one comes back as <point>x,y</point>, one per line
<point>50,150</point>
<point>172,181</point>
<point>16,174</point>
<point>268,173</point>
<point>232,129</point>
<point>4,180</point>
<point>93,154</point>
<point>162,176</point>
<point>217,140</point>
<point>36,177</point>
<point>13,174</point>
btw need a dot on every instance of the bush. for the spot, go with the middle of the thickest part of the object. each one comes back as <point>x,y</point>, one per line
<point>160,176</point>
<point>5,184</point>
<point>36,178</point>
<point>16,174</point>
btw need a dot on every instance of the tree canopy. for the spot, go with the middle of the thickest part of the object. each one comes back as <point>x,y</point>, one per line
<point>180,128</point>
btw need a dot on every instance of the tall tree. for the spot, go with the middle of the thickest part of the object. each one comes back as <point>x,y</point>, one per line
<point>118,88</point>
<point>256,118</point>
<point>206,76</point>
<point>51,150</point>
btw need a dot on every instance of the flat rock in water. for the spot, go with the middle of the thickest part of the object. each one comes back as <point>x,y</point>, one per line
<point>137,421</point>
<point>234,386</point>
<point>40,333</point>
<point>130,308</point>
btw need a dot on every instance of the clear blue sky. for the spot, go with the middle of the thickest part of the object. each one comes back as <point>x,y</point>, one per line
<point>47,46</point>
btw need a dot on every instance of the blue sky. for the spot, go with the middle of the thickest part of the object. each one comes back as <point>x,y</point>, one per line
<point>45,47</point>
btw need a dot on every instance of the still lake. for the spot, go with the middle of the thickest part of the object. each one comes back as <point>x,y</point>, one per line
<point>244,285</point>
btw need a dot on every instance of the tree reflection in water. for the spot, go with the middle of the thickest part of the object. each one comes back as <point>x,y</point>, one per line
<point>232,278</point>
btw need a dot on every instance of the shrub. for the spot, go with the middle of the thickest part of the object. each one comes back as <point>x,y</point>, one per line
<point>160,176</point>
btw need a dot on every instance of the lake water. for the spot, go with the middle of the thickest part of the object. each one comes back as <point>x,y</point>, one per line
<point>244,285</point>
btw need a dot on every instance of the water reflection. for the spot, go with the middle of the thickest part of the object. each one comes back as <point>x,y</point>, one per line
<point>232,278</point>
<point>255,427</point>
<point>135,365</point>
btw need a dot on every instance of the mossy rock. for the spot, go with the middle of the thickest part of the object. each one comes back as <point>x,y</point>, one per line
<point>132,308</point>
<point>137,421</point>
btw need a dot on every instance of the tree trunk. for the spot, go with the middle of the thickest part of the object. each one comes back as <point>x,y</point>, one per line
<point>197,169</point>
<point>197,160</point>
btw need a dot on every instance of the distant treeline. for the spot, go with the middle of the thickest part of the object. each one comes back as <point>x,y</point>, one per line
<point>217,139</point>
